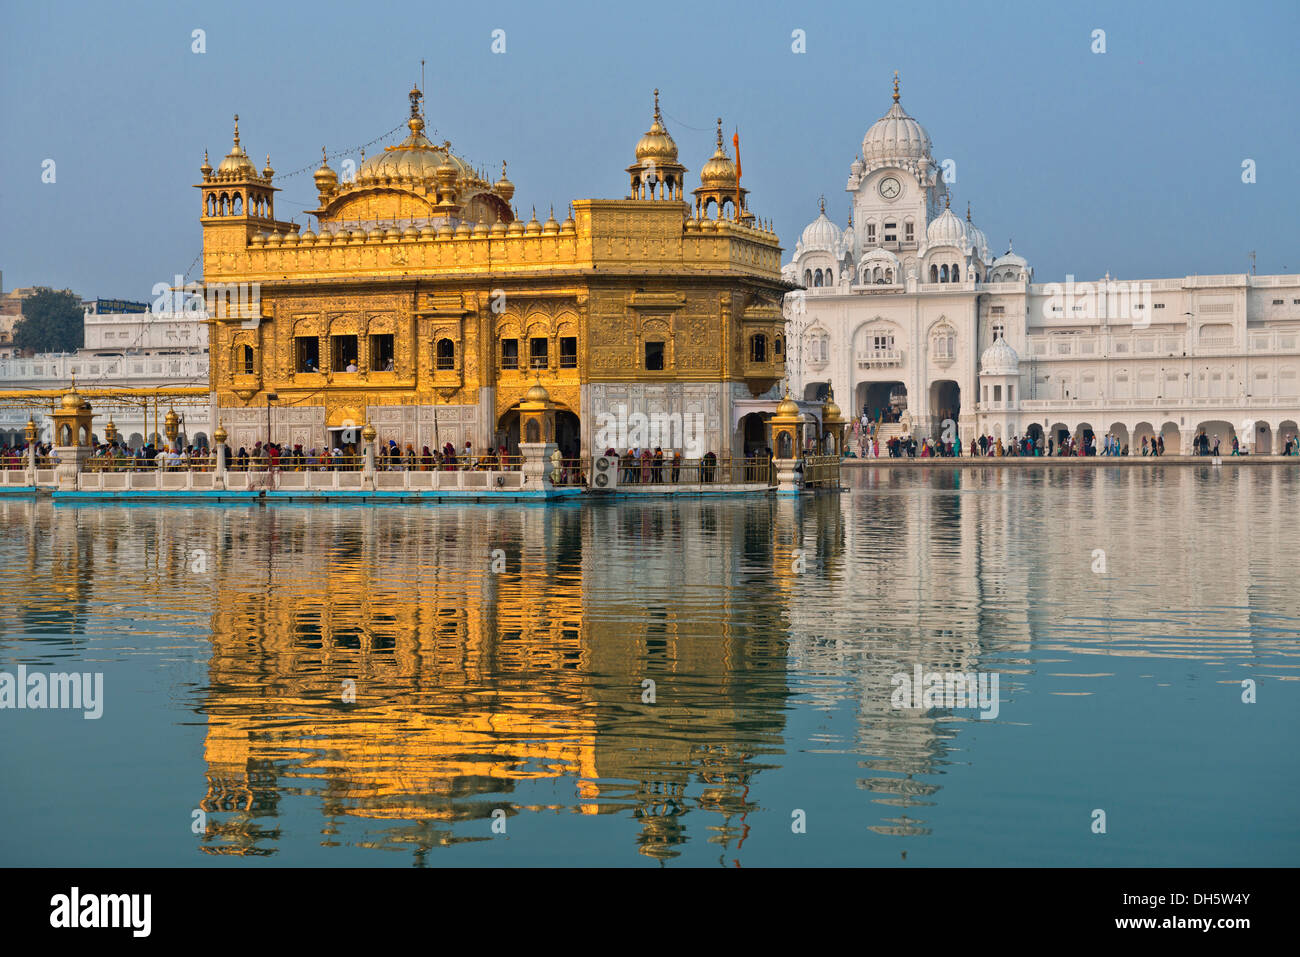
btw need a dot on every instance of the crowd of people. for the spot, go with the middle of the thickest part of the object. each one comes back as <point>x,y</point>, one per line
<point>655,466</point>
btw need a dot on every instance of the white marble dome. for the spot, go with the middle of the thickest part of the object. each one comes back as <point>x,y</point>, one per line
<point>895,140</point>
<point>820,234</point>
<point>946,230</point>
<point>999,359</point>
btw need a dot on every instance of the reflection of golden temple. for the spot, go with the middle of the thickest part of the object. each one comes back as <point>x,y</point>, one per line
<point>470,684</point>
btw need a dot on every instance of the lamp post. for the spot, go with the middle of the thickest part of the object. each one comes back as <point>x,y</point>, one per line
<point>270,397</point>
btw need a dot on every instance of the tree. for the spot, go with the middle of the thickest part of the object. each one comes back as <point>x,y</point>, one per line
<point>52,322</point>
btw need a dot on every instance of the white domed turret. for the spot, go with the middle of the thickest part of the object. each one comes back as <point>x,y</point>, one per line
<point>895,140</point>
<point>821,234</point>
<point>999,359</point>
<point>946,230</point>
<point>1010,267</point>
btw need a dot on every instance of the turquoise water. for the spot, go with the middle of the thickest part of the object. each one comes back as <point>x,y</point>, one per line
<point>499,712</point>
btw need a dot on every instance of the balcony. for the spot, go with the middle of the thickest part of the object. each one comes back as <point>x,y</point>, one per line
<point>879,358</point>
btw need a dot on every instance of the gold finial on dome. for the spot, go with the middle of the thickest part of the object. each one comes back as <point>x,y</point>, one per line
<point>895,86</point>
<point>968,210</point>
<point>947,200</point>
<point>657,117</point>
<point>821,203</point>
<point>236,129</point>
<point>206,168</point>
<point>267,172</point>
<point>416,122</point>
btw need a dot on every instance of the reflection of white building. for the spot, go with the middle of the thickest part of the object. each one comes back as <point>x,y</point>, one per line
<point>132,350</point>
<point>908,307</point>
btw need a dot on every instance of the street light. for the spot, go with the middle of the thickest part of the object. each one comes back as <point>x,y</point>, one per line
<point>270,397</point>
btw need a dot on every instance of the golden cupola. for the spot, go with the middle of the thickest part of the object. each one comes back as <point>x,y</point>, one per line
<point>656,174</point>
<point>503,187</point>
<point>326,179</point>
<point>236,164</point>
<point>720,186</point>
<point>236,190</point>
<point>719,170</point>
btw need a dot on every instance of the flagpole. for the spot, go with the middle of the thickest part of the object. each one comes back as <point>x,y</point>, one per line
<point>735,141</point>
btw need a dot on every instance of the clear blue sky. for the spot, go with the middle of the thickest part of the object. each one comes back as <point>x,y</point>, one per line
<point>1127,161</point>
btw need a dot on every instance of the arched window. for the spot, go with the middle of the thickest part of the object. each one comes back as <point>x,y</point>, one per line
<point>817,278</point>
<point>212,205</point>
<point>236,205</point>
<point>934,273</point>
<point>248,360</point>
<point>446,354</point>
<point>956,273</point>
<point>807,277</point>
<point>944,343</point>
<point>758,348</point>
<point>943,273</point>
<point>776,347</point>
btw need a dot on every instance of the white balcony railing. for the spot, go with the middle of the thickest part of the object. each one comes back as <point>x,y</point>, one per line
<point>879,358</point>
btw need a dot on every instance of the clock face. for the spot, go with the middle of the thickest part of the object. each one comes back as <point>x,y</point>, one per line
<point>889,187</point>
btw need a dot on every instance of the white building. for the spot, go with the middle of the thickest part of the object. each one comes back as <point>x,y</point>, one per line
<point>906,309</point>
<point>132,350</point>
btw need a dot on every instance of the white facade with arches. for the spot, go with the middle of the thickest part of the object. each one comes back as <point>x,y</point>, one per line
<point>905,309</point>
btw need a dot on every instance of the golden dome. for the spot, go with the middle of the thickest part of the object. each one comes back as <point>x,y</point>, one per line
<point>503,187</point>
<point>787,407</point>
<point>831,411</point>
<point>551,226</point>
<point>236,162</point>
<point>220,435</point>
<point>656,145</point>
<point>71,398</point>
<point>368,433</point>
<point>538,393</point>
<point>719,170</point>
<point>267,172</point>
<point>325,177</point>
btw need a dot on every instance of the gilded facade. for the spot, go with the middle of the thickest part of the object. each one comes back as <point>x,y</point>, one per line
<point>420,303</point>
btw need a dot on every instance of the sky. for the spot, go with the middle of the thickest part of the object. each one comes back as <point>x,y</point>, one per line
<point>1127,161</point>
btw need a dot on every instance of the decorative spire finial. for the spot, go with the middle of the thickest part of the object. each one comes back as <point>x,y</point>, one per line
<point>503,169</point>
<point>236,129</point>
<point>947,200</point>
<point>895,86</point>
<point>821,204</point>
<point>415,95</point>
<point>656,103</point>
<point>968,210</point>
<point>324,158</point>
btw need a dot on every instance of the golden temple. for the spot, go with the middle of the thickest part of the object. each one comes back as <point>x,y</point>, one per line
<point>422,305</point>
